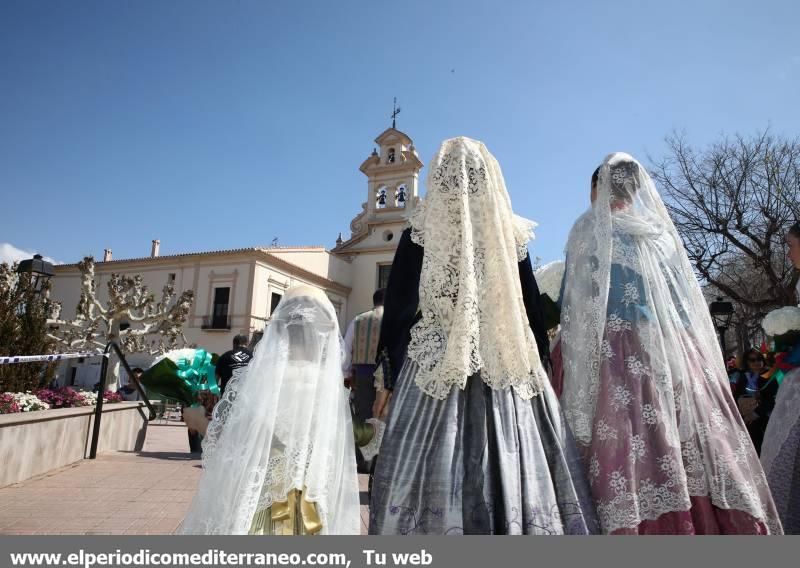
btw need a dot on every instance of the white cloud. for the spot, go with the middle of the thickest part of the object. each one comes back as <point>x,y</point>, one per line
<point>9,253</point>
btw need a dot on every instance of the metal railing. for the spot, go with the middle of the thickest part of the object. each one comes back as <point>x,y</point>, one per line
<point>98,409</point>
<point>216,322</point>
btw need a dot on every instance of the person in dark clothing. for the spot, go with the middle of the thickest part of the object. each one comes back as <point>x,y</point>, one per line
<point>229,361</point>
<point>755,395</point>
<point>129,390</point>
<point>404,314</point>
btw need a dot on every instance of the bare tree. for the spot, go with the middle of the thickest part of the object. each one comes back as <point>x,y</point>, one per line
<point>745,330</point>
<point>152,327</point>
<point>732,203</point>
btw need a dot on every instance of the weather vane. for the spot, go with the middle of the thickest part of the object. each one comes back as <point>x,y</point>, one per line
<point>395,112</point>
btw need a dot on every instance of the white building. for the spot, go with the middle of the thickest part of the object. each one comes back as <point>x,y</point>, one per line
<point>235,291</point>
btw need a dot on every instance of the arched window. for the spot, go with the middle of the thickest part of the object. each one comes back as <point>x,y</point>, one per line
<point>380,198</point>
<point>390,158</point>
<point>401,196</point>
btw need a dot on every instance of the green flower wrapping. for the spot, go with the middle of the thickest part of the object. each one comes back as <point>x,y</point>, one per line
<point>184,379</point>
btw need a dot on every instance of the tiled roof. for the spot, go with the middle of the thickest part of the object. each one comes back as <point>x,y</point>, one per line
<point>269,252</point>
<point>203,253</point>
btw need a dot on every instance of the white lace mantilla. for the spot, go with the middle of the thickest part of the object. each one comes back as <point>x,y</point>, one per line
<point>473,315</point>
<point>645,388</point>
<point>283,424</point>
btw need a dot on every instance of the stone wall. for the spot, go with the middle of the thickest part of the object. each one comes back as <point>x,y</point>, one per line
<point>33,443</point>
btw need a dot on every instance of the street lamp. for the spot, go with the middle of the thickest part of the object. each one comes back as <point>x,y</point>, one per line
<point>722,314</point>
<point>38,270</point>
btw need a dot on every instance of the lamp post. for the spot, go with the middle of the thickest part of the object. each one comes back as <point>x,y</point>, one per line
<point>722,314</point>
<point>38,270</point>
<point>34,274</point>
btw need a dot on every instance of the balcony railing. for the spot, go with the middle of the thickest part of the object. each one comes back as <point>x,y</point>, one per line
<point>216,322</point>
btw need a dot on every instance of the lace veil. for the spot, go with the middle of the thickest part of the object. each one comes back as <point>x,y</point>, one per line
<point>470,298</point>
<point>783,419</point>
<point>284,423</point>
<point>636,328</point>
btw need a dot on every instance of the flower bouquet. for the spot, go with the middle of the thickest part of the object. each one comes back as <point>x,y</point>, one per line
<point>188,376</point>
<point>183,375</point>
<point>783,326</point>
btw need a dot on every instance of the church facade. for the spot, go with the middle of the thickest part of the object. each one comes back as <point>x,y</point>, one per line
<point>236,291</point>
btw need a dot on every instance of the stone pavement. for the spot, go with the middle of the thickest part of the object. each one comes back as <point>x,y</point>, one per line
<point>147,492</point>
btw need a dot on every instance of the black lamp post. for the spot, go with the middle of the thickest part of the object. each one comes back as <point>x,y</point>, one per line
<point>39,271</point>
<point>722,314</point>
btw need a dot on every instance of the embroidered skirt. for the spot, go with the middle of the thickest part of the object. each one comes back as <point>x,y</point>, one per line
<point>481,461</point>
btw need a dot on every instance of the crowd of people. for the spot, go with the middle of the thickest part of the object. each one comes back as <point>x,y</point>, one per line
<point>754,390</point>
<point>450,380</point>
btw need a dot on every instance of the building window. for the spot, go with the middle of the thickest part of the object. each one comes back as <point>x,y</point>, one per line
<point>381,198</point>
<point>383,275</point>
<point>400,196</point>
<point>219,314</point>
<point>273,302</point>
<point>390,159</point>
<point>171,277</point>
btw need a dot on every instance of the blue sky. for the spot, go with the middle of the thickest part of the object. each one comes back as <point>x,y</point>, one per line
<point>211,125</point>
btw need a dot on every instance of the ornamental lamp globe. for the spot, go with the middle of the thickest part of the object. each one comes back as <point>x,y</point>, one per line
<point>721,313</point>
<point>38,270</point>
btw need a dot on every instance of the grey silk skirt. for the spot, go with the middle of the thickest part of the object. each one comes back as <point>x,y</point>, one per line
<point>784,481</point>
<point>481,461</point>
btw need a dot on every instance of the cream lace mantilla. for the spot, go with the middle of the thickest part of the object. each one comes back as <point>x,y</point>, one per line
<point>473,315</point>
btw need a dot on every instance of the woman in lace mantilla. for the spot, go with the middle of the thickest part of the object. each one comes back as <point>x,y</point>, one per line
<point>780,453</point>
<point>645,388</point>
<point>475,442</point>
<point>278,455</point>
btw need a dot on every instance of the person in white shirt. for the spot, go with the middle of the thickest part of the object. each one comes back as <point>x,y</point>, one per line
<point>361,347</point>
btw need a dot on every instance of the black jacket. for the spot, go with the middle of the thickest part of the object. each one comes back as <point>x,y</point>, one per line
<point>400,311</point>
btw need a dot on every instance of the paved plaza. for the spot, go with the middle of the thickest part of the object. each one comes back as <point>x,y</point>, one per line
<point>145,492</point>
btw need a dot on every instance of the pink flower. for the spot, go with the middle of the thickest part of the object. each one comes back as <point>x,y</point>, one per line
<point>61,398</point>
<point>109,396</point>
<point>8,405</point>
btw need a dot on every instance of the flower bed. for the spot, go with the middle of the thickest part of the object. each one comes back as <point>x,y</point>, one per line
<point>44,399</point>
<point>8,403</point>
<point>28,402</point>
<point>90,398</point>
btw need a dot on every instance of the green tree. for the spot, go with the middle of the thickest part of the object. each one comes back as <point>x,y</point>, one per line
<point>23,331</point>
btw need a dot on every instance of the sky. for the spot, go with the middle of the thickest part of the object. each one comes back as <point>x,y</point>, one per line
<point>214,125</point>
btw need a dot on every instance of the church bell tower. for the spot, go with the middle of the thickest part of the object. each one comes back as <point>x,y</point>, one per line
<point>392,194</point>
